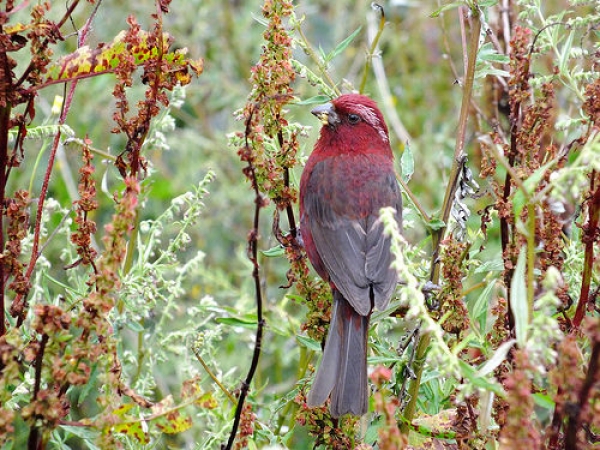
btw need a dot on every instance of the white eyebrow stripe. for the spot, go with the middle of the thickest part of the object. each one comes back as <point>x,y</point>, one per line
<point>369,116</point>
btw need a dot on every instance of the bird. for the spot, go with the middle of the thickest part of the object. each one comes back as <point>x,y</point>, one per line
<point>347,179</point>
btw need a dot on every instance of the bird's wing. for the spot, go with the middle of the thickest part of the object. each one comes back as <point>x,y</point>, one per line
<point>348,234</point>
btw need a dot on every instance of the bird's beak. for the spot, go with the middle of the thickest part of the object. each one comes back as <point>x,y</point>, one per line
<point>326,114</point>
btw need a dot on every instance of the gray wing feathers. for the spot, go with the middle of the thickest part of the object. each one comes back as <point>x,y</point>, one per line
<point>377,265</point>
<point>339,248</point>
<point>354,242</point>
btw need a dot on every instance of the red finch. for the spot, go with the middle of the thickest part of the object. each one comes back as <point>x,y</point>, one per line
<point>348,178</point>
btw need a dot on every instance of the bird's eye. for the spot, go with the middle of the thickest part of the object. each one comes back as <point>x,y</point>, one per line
<point>353,118</point>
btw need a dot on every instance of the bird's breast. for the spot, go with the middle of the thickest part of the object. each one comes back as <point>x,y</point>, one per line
<point>354,185</point>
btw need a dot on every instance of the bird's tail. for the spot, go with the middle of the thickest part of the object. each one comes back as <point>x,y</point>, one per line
<point>343,368</point>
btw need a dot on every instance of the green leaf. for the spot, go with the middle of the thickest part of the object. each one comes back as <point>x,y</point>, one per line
<point>543,400</point>
<point>487,52</point>
<point>238,321</point>
<point>62,337</point>
<point>174,422</point>
<point>491,71</point>
<point>132,429</point>
<point>134,326</point>
<point>296,298</point>
<point>478,309</point>
<point>372,433</point>
<point>407,163</point>
<point>497,358</point>
<point>436,224</point>
<point>342,45</point>
<point>274,252</point>
<point>317,99</point>
<point>309,343</point>
<point>480,382</point>
<point>447,7</point>
<point>518,298</point>
<point>128,425</point>
<point>86,433</point>
<point>565,55</point>
<point>89,386</point>
<point>494,265</point>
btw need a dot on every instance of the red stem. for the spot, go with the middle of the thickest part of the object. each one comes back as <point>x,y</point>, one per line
<point>44,190</point>
<point>42,197</point>
<point>591,233</point>
<point>4,122</point>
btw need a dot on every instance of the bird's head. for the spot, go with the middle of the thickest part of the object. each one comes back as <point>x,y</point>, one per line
<point>352,117</point>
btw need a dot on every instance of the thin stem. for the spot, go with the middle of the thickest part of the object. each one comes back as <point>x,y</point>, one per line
<point>437,236</point>
<point>530,258</point>
<point>41,201</point>
<point>34,434</point>
<point>415,201</point>
<point>286,182</point>
<point>59,24</point>
<point>373,48</point>
<point>460,138</point>
<point>97,151</point>
<point>322,67</point>
<point>213,377</point>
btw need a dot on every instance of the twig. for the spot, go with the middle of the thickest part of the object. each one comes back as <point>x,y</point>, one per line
<point>97,151</point>
<point>506,24</point>
<point>415,201</point>
<point>214,377</point>
<point>46,41</point>
<point>461,134</point>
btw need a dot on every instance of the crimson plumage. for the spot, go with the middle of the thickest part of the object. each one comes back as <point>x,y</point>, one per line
<point>347,179</point>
